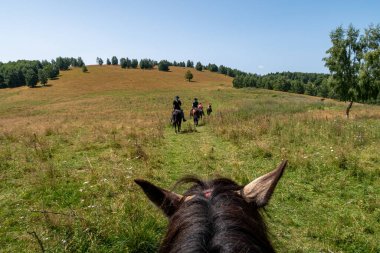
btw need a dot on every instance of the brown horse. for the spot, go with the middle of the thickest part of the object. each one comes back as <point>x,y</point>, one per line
<point>217,215</point>
<point>196,114</point>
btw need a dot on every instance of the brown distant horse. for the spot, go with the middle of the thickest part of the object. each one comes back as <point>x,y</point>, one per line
<point>217,215</point>
<point>196,114</point>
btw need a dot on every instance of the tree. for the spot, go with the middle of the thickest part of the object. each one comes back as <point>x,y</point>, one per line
<point>212,67</point>
<point>73,62</point>
<point>199,66</point>
<point>128,63</point>
<point>42,76</point>
<point>108,62</point>
<point>310,89</point>
<point>163,65</point>
<point>114,60</point>
<point>369,74</point>
<point>189,75</point>
<point>323,89</point>
<point>80,62</point>
<point>31,78</point>
<point>84,69</point>
<point>222,70</point>
<point>134,63</point>
<point>297,87</point>
<point>147,63</point>
<point>63,63</point>
<point>123,63</point>
<point>99,61</point>
<point>189,64</point>
<point>2,85</point>
<point>354,64</point>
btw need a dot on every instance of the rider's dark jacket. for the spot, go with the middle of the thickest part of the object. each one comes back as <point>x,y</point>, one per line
<point>177,105</point>
<point>195,104</point>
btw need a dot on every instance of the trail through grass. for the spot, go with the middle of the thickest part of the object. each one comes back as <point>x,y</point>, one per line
<point>196,152</point>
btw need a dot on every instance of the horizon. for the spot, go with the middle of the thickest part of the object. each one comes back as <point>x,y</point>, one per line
<point>254,37</point>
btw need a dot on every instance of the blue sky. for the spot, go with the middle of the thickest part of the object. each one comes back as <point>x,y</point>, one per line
<point>254,36</point>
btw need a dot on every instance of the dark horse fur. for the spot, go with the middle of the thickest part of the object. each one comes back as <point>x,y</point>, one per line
<point>217,215</point>
<point>177,120</point>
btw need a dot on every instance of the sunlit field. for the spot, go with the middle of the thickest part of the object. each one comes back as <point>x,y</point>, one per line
<point>69,153</point>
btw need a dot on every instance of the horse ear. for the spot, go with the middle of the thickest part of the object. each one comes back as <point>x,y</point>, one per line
<point>166,200</point>
<point>261,189</point>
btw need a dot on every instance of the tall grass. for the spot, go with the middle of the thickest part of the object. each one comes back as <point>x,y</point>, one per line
<point>67,170</point>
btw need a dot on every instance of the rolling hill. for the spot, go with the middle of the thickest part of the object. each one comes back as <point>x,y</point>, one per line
<point>69,153</point>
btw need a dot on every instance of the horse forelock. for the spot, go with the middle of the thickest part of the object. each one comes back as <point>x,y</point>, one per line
<point>216,219</point>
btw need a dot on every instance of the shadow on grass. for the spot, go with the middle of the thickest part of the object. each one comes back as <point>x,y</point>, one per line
<point>41,86</point>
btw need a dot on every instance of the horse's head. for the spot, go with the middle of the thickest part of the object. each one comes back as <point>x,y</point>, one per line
<point>217,215</point>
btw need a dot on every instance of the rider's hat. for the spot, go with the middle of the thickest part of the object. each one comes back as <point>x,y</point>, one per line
<point>195,98</point>
<point>177,97</point>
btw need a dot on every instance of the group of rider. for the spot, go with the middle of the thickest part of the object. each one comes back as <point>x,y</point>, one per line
<point>196,105</point>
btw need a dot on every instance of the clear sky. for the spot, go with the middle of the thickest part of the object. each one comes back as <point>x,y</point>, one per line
<point>255,36</point>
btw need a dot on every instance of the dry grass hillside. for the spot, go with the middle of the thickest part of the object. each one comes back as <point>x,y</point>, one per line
<point>69,153</point>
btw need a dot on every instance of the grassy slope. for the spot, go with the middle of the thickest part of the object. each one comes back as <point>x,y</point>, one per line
<point>75,147</point>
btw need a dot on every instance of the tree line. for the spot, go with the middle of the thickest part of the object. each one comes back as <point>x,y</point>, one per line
<point>25,72</point>
<point>314,84</point>
<point>164,65</point>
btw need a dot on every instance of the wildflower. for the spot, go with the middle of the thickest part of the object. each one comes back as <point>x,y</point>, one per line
<point>86,182</point>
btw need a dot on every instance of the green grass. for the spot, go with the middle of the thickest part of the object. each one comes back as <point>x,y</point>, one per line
<point>67,166</point>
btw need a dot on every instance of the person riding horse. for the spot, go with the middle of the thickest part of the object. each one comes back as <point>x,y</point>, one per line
<point>209,109</point>
<point>195,103</point>
<point>177,106</point>
<point>200,109</point>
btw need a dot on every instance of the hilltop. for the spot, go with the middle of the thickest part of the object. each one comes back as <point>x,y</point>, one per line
<point>69,153</point>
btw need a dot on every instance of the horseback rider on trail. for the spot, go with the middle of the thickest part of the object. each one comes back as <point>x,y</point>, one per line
<point>195,103</point>
<point>177,106</point>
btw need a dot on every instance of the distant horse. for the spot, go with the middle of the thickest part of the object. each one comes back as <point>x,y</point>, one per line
<point>209,110</point>
<point>201,112</point>
<point>177,120</point>
<point>217,215</point>
<point>196,114</point>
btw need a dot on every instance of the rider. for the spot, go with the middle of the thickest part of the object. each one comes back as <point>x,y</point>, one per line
<point>177,106</point>
<point>195,103</point>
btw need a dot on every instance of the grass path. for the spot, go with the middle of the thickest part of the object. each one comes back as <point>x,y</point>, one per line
<point>200,153</point>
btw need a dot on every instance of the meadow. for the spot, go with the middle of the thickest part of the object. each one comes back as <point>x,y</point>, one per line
<point>69,153</point>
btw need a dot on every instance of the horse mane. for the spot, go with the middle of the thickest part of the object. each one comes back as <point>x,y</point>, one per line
<point>221,221</point>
